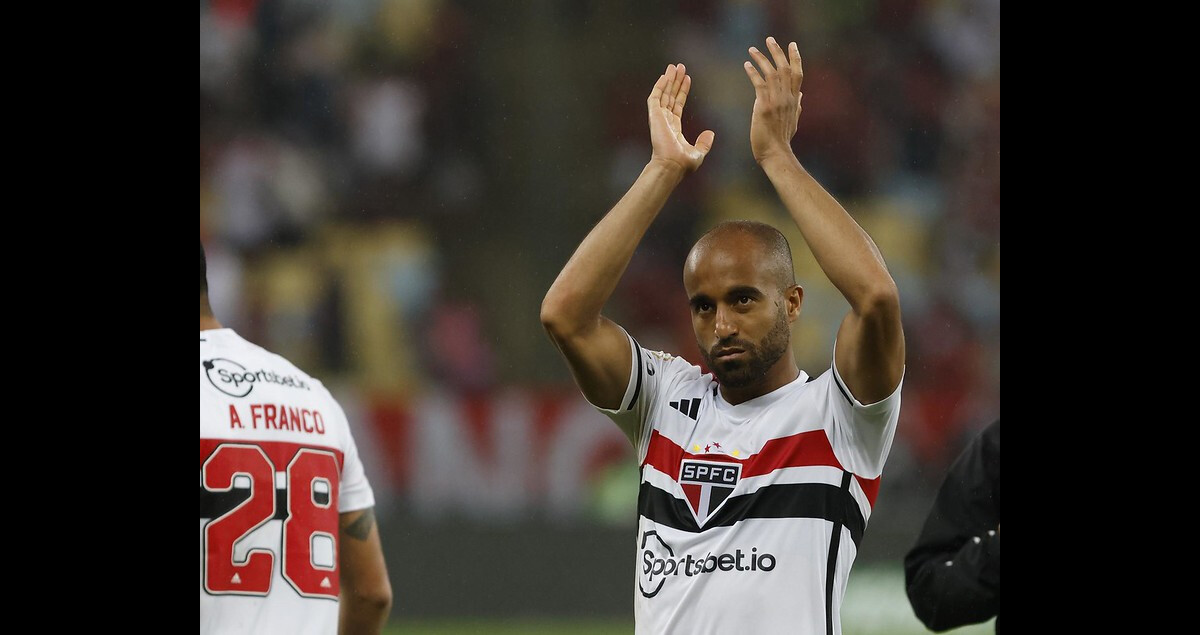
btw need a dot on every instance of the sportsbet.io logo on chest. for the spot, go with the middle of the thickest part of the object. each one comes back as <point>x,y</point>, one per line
<point>660,563</point>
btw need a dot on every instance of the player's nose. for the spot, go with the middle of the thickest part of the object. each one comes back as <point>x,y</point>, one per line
<point>725,325</point>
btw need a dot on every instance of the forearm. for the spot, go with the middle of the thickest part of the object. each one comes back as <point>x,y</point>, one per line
<point>579,293</point>
<point>366,592</point>
<point>965,591</point>
<point>952,573</point>
<point>362,615</point>
<point>841,247</point>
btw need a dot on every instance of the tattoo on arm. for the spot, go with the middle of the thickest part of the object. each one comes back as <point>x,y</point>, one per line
<point>361,527</point>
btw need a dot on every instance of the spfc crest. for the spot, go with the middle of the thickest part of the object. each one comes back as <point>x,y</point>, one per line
<point>707,484</point>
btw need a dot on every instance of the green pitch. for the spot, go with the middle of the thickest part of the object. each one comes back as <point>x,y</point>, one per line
<point>875,604</point>
<point>509,627</point>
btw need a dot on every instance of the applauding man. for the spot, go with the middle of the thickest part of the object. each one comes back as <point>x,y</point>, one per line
<point>757,479</point>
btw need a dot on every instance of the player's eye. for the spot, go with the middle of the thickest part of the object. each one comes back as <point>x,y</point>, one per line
<point>744,299</point>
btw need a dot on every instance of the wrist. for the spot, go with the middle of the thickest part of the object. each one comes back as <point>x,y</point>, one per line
<point>665,169</point>
<point>778,159</point>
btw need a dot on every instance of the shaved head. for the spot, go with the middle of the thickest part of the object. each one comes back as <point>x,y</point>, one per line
<point>772,247</point>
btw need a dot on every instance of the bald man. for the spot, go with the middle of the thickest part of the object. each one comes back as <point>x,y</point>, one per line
<point>757,480</point>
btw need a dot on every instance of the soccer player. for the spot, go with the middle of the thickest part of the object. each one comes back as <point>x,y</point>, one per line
<point>952,573</point>
<point>288,542</point>
<point>756,480</point>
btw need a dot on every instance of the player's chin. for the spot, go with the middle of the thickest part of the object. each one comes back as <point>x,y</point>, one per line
<point>732,373</point>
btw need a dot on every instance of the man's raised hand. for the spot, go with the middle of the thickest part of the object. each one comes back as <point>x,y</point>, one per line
<point>776,99</point>
<point>665,106</point>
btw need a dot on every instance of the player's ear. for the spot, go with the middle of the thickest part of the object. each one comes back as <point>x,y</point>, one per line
<point>794,296</point>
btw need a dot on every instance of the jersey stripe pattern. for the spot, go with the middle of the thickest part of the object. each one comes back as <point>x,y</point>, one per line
<point>749,516</point>
<point>278,464</point>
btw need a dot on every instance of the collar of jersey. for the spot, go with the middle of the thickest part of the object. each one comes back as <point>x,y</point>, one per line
<point>752,406</point>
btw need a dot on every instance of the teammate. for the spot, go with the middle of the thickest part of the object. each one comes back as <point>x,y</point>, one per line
<point>952,573</point>
<point>288,542</point>
<point>757,479</point>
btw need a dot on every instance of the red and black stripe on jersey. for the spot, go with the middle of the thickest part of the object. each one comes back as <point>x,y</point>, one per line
<point>779,500</point>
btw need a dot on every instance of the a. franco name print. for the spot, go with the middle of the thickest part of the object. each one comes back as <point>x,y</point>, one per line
<point>282,417</point>
<point>236,380</point>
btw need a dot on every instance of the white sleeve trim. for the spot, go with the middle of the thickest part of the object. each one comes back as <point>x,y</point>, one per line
<point>858,405</point>
<point>635,377</point>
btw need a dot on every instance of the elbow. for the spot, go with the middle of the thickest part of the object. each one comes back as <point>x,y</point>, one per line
<point>934,623</point>
<point>552,317</point>
<point>924,612</point>
<point>880,301</point>
<point>922,588</point>
<point>558,320</point>
<point>382,601</point>
<point>929,622</point>
<point>925,608</point>
<point>377,599</point>
<point>943,599</point>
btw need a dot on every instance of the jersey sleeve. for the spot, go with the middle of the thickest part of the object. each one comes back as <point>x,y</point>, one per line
<point>650,373</point>
<point>355,492</point>
<point>861,434</point>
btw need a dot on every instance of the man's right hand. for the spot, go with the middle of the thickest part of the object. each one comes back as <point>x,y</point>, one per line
<point>776,100</point>
<point>665,105</point>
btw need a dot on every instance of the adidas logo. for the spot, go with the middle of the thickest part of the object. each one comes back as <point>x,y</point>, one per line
<point>688,407</point>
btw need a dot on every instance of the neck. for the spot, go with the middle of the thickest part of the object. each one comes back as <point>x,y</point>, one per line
<point>784,372</point>
<point>208,322</point>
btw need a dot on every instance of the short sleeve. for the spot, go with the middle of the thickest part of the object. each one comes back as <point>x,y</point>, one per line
<point>649,372</point>
<point>861,434</point>
<point>355,492</point>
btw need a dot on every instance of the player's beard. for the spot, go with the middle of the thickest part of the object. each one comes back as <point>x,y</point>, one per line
<point>759,358</point>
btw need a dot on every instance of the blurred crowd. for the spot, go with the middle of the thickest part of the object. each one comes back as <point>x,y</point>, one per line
<point>388,187</point>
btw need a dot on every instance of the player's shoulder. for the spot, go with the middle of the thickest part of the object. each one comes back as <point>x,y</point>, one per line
<point>821,379</point>
<point>250,357</point>
<point>824,390</point>
<point>675,371</point>
<point>658,361</point>
<point>298,372</point>
<point>661,356</point>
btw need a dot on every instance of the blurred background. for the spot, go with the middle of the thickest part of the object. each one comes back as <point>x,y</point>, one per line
<point>389,187</point>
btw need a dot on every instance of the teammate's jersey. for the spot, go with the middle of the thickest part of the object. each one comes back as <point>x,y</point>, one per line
<point>749,516</point>
<point>277,466</point>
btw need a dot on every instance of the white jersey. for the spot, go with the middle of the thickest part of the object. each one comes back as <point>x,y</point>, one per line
<point>277,466</point>
<point>749,516</point>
